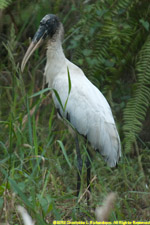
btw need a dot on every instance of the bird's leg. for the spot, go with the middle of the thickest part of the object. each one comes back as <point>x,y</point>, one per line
<point>88,166</point>
<point>79,164</point>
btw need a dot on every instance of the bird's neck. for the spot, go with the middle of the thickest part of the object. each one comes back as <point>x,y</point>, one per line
<point>55,60</point>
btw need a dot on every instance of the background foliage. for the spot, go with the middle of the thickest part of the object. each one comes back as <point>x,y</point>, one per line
<point>110,41</point>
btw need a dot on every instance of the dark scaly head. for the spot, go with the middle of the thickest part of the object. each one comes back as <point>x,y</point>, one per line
<point>48,28</point>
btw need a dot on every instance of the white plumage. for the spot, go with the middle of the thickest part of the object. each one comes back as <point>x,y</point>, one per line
<point>88,110</point>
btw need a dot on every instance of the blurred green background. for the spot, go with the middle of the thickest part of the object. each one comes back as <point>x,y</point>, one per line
<point>110,41</point>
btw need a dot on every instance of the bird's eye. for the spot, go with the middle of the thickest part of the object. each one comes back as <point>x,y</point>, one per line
<point>41,23</point>
<point>48,21</point>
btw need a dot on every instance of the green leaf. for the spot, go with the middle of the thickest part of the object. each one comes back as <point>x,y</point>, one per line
<point>109,63</point>
<point>64,152</point>
<point>138,105</point>
<point>145,24</point>
<point>29,123</point>
<point>58,98</point>
<point>20,193</point>
<point>1,202</point>
<point>40,92</point>
<point>4,3</point>
<point>69,81</point>
<point>25,200</point>
<point>87,52</point>
<point>48,89</point>
<point>35,139</point>
<point>69,89</point>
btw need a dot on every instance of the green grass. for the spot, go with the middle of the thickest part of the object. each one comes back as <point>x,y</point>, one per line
<point>37,154</point>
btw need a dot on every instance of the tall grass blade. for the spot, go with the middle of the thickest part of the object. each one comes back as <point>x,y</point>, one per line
<point>29,123</point>
<point>40,92</point>
<point>35,141</point>
<point>20,193</point>
<point>69,88</point>
<point>69,81</point>
<point>58,98</point>
<point>64,152</point>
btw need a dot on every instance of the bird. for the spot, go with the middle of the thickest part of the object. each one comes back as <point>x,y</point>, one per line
<point>86,108</point>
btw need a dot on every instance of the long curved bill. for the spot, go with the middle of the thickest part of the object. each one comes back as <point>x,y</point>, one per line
<point>37,40</point>
<point>32,47</point>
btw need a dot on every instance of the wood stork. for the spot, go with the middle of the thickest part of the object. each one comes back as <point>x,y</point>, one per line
<point>87,109</point>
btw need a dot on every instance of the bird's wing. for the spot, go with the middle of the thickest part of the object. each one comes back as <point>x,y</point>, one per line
<point>89,113</point>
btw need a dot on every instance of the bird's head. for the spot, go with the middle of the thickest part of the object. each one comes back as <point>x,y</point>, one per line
<point>49,26</point>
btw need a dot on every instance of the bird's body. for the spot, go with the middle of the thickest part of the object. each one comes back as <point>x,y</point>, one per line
<point>87,109</point>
